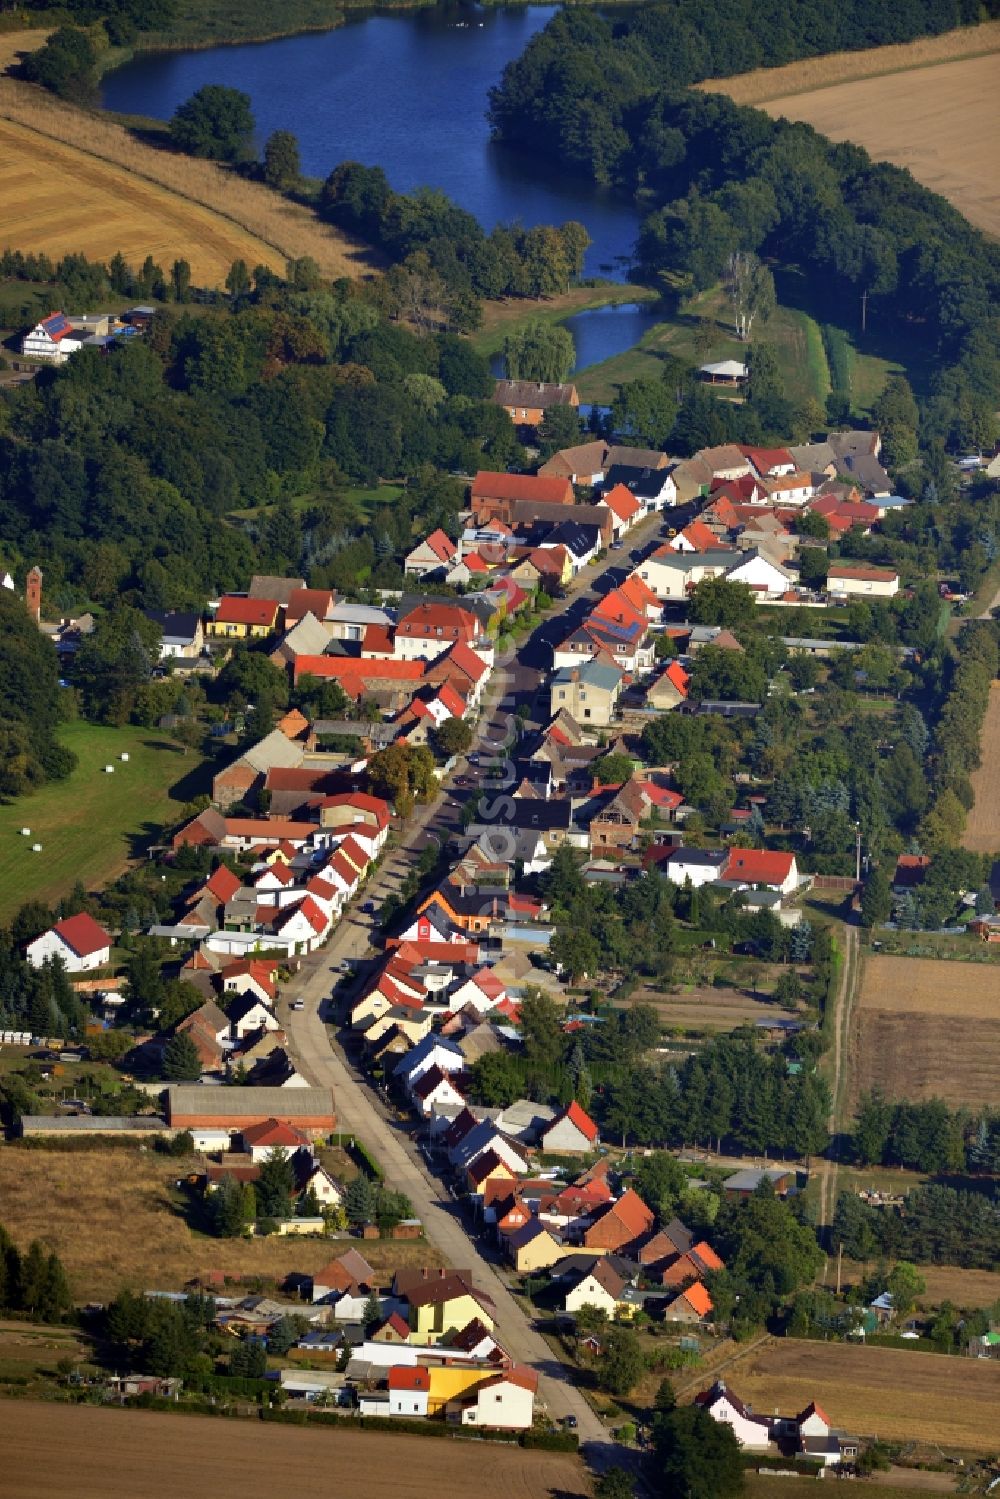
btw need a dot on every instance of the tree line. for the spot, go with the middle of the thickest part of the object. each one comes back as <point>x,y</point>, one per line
<point>938,1226</point>
<point>926,1136</point>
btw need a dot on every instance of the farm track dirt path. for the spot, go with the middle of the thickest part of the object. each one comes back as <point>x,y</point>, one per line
<point>844,1005</point>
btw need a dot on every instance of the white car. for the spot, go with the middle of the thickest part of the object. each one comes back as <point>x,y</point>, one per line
<point>298,1004</point>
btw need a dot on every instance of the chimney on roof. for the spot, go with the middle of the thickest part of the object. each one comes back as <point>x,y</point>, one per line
<point>33,594</point>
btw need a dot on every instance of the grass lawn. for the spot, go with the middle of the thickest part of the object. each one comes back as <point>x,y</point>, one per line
<point>794,335</point>
<point>92,824</point>
<point>500,317</point>
<point>366,501</point>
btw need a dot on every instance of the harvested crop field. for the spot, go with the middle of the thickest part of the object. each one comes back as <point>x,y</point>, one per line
<point>59,200</point>
<point>888,1392</point>
<point>114,1217</point>
<point>941,122</point>
<point>925,1028</point>
<point>814,73</point>
<point>708,1009</point>
<point>115,1454</point>
<point>982,828</point>
<point>928,986</point>
<point>75,181</point>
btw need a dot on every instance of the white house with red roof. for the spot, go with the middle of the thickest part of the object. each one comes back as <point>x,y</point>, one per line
<point>409,1390</point>
<point>432,555</point>
<point>572,1132</point>
<point>54,339</point>
<point>503,1401</point>
<point>429,629</point>
<point>625,509</point>
<point>770,463</point>
<point>256,975</point>
<point>273,1134</point>
<point>771,868</point>
<point>79,941</point>
<point>303,927</point>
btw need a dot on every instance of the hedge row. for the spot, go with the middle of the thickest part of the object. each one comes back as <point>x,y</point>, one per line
<point>838,356</point>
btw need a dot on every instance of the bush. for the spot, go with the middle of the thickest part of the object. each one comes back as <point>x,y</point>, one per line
<point>551,1441</point>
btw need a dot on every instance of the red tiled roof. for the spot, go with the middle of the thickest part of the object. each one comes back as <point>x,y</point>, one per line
<point>356,672</point>
<point>409,1377</point>
<point>764,459</point>
<point>697,1297</point>
<point>82,934</point>
<point>700,536</point>
<point>223,884</point>
<point>758,866</point>
<point>377,638</point>
<point>312,913</point>
<point>235,610</point>
<point>438,620</point>
<point>622,502</point>
<point>490,486</point>
<point>466,660</point>
<point>451,699</point>
<point>303,601</point>
<point>441,545</point>
<point>272,1132</point>
<point>676,674</point>
<point>578,1116</point>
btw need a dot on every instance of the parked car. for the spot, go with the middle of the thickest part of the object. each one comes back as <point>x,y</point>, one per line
<point>298,1004</point>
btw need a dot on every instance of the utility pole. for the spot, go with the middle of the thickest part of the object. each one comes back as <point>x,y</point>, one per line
<point>857,853</point>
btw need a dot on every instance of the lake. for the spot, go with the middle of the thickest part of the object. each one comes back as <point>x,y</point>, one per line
<point>601,332</point>
<point>407,92</point>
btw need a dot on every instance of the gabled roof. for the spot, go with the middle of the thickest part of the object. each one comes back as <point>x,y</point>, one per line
<point>440,544</point>
<point>698,1298</point>
<point>235,610</point>
<point>271,1133</point>
<point>310,910</point>
<point>812,1409</point>
<point>533,393</point>
<point>578,1117</point>
<point>546,491</point>
<point>82,934</point>
<point>303,601</point>
<point>758,866</point>
<point>621,502</point>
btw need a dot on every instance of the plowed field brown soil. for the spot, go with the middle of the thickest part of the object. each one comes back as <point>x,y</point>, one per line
<point>51,1451</point>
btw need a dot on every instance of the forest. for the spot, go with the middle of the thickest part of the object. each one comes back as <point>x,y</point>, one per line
<point>605,96</point>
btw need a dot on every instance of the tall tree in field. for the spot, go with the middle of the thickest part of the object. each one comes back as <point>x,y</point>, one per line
<point>180,280</point>
<point>216,122</point>
<point>282,168</point>
<point>749,286</point>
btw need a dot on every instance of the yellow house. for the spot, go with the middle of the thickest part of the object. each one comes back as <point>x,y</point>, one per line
<point>409,1023</point>
<point>532,1247</point>
<point>447,1304</point>
<point>239,618</point>
<point>448,1383</point>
